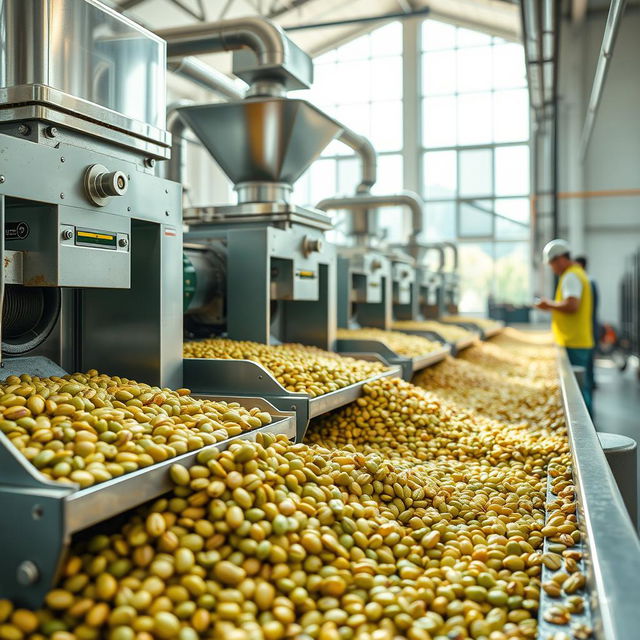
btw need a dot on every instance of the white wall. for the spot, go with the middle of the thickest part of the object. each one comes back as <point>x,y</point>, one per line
<point>607,228</point>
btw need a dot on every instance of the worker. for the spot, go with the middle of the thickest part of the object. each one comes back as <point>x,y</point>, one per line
<point>571,310</point>
<point>595,296</point>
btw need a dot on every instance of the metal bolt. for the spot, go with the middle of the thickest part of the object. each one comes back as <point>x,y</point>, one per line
<point>62,196</point>
<point>62,159</point>
<point>166,213</point>
<point>51,132</point>
<point>123,242</point>
<point>150,162</point>
<point>37,512</point>
<point>27,573</point>
<point>2,179</point>
<point>129,209</point>
<point>67,234</point>
<point>24,130</point>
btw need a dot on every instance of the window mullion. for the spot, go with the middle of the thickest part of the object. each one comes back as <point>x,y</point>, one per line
<point>411,118</point>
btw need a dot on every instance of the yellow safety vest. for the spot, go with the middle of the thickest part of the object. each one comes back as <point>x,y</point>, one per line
<point>574,330</point>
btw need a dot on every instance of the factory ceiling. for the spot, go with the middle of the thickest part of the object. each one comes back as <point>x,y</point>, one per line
<point>347,19</point>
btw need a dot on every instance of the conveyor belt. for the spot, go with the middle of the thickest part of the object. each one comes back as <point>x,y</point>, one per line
<point>611,542</point>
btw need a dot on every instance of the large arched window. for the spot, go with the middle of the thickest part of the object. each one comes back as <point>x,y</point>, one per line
<point>472,152</point>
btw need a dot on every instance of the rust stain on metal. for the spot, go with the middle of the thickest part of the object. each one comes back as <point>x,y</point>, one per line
<point>36,281</point>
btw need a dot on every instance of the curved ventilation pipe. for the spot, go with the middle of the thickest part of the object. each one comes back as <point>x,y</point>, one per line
<point>454,249</point>
<point>368,158</point>
<point>440,249</point>
<point>206,76</point>
<point>363,202</point>
<point>278,65</point>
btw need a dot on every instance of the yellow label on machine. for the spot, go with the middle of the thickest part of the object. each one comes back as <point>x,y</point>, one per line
<point>105,240</point>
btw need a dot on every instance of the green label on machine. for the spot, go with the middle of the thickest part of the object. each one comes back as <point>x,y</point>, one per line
<point>189,281</point>
<point>91,238</point>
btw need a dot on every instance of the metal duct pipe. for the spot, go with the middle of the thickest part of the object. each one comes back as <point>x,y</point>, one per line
<point>177,164</point>
<point>616,9</point>
<point>440,249</point>
<point>266,39</point>
<point>364,202</point>
<point>454,248</point>
<point>368,158</point>
<point>206,76</point>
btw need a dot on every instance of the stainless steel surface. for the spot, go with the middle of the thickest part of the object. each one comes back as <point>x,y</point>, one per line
<point>612,542</point>
<point>262,51</point>
<point>52,512</point>
<point>429,359</point>
<point>101,184</point>
<point>403,278</point>
<point>356,345</point>
<point>206,76</point>
<point>547,630</point>
<point>102,501</point>
<point>368,158</point>
<point>454,250</point>
<point>33,365</point>
<point>614,18</point>
<point>276,289</point>
<point>490,333</point>
<point>461,345</point>
<point>50,260</point>
<point>364,289</point>
<point>621,453</point>
<point>37,102</point>
<point>335,399</point>
<point>176,167</point>
<point>252,379</point>
<point>140,327</point>
<point>279,214</point>
<point>360,204</point>
<point>86,50</point>
<point>249,192</point>
<point>262,139</point>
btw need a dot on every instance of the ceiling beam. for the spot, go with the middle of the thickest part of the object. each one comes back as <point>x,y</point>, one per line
<point>129,4</point>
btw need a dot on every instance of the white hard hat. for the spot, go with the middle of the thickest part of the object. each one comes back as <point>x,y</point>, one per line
<point>554,249</point>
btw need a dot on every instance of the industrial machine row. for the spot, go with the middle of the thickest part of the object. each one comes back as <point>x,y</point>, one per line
<point>99,274</point>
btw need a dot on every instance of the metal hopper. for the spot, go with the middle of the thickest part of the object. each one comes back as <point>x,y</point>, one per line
<point>258,140</point>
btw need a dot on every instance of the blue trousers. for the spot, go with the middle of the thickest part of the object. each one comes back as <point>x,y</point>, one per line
<point>584,358</point>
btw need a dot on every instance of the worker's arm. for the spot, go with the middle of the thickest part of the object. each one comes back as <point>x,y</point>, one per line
<point>570,305</point>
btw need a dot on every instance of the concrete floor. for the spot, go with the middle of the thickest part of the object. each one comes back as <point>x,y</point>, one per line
<point>617,401</point>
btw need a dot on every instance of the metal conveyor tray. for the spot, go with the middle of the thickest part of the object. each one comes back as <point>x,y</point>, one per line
<point>454,347</point>
<point>611,543</point>
<point>354,347</point>
<point>221,377</point>
<point>51,512</point>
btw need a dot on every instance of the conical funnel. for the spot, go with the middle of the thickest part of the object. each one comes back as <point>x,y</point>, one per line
<point>262,139</point>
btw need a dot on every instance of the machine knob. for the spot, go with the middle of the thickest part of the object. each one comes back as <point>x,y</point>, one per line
<point>27,573</point>
<point>312,245</point>
<point>101,184</point>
